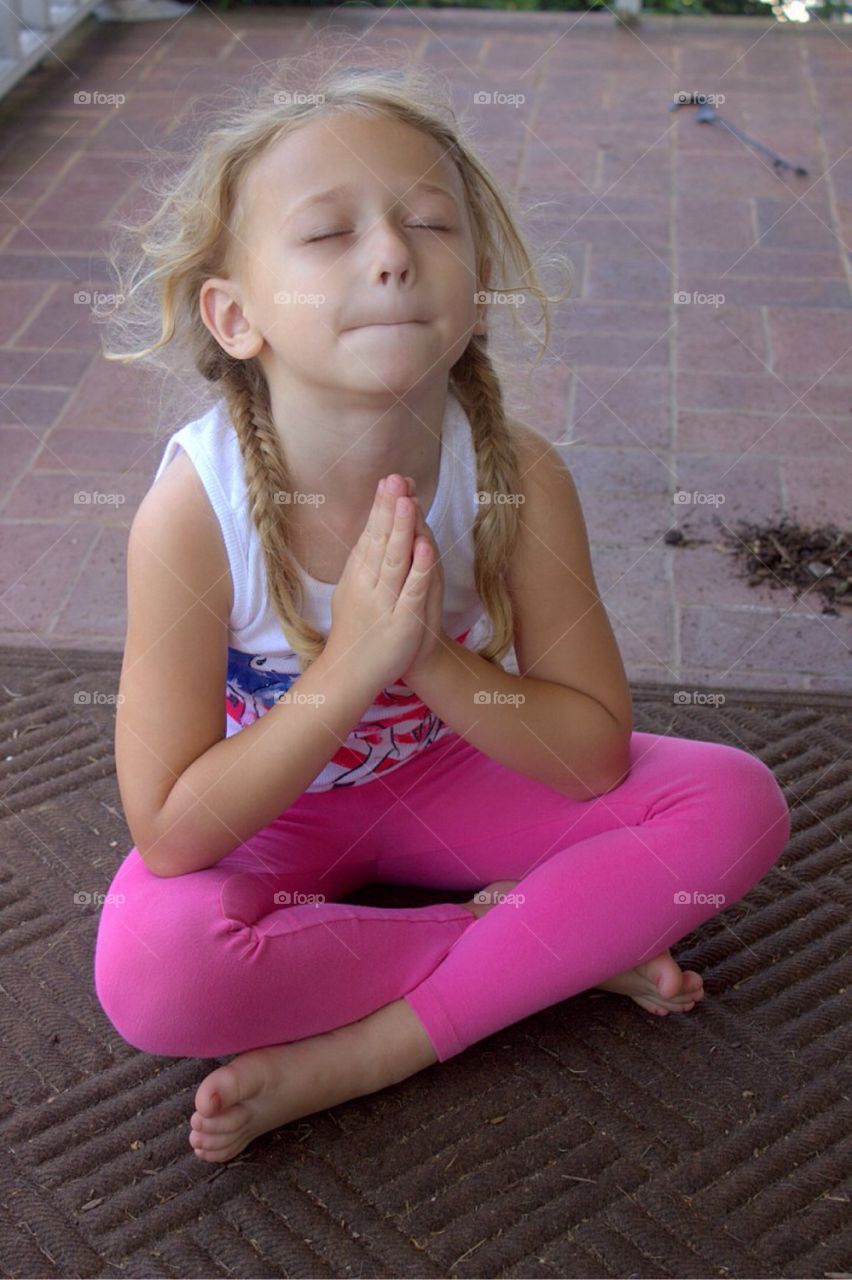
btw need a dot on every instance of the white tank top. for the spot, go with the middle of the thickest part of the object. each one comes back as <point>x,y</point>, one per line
<point>261,664</point>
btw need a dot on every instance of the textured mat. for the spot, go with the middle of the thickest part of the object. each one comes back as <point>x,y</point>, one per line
<point>591,1139</point>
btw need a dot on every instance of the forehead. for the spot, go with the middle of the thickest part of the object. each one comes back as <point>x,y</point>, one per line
<point>367,152</point>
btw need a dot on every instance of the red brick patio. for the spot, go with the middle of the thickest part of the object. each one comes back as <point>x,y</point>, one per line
<point>749,399</point>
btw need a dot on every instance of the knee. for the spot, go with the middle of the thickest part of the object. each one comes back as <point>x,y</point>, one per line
<point>126,986</point>
<point>142,983</point>
<point>747,795</point>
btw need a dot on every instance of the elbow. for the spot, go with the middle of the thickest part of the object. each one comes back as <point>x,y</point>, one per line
<point>160,867</point>
<point>162,861</point>
<point>612,784</point>
<point>154,852</point>
<point>616,771</point>
<point>154,861</point>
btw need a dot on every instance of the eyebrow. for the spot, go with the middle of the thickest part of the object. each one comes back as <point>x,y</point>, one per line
<point>345,188</point>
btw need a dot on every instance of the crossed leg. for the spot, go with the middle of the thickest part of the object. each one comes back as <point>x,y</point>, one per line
<point>595,894</point>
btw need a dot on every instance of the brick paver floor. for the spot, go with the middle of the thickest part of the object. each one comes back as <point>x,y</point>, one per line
<point>649,397</point>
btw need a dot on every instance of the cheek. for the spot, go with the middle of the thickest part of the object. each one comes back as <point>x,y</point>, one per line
<point>462,305</point>
<point>301,311</point>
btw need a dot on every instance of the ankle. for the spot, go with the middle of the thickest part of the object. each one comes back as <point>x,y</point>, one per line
<point>393,1044</point>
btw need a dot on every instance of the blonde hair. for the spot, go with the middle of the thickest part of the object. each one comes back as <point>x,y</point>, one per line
<point>188,238</point>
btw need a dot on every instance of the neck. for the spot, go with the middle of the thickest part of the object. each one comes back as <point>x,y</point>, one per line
<point>339,447</point>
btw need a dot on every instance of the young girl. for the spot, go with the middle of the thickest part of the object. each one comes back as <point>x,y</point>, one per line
<point>391,584</point>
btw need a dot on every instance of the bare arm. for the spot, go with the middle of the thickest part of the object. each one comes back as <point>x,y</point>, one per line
<point>567,719</point>
<point>189,794</point>
<point>242,783</point>
<point>554,734</point>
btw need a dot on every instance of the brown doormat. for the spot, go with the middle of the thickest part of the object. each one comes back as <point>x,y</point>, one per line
<point>592,1139</point>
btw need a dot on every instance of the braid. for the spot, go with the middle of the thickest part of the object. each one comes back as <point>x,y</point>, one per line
<point>194,234</point>
<point>497,524</point>
<point>267,474</point>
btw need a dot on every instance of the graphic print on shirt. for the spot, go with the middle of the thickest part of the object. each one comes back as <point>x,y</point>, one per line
<point>404,724</point>
<point>253,686</point>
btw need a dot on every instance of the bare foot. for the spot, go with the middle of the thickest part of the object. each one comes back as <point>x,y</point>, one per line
<point>488,897</point>
<point>658,985</point>
<point>268,1087</point>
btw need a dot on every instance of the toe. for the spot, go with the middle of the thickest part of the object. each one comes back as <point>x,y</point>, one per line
<point>231,1084</point>
<point>206,1156</point>
<point>223,1150</point>
<point>208,1096</point>
<point>234,1118</point>
<point>665,974</point>
<point>221,1089</point>
<point>685,997</point>
<point>649,1006</point>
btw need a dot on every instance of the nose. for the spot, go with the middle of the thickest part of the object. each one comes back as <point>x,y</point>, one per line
<point>403,275</point>
<point>393,259</point>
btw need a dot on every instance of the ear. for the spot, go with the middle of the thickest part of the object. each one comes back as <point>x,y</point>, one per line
<point>221,312</point>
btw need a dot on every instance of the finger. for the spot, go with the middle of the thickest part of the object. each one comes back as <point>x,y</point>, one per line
<point>374,536</point>
<point>397,557</point>
<point>415,593</point>
<point>415,588</point>
<point>423,528</point>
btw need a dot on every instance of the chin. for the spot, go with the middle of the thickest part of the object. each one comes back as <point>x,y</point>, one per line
<point>396,385</point>
<point>398,358</point>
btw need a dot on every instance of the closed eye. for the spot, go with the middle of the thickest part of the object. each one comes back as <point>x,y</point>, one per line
<point>418,226</point>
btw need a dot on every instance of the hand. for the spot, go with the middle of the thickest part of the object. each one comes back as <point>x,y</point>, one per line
<point>434,634</point>
<point>379,605</point>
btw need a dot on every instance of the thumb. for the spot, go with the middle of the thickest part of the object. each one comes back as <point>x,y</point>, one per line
<point>422,530</point>
<point>420,525</point>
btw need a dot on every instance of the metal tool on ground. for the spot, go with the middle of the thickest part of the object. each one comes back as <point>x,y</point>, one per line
<point>707,114</point>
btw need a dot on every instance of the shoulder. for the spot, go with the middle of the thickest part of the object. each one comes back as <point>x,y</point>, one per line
<point>562,629</point>
<point>539,457</point>
<point>547,488</point>
<point>176,513</point>
<point>552,527</point>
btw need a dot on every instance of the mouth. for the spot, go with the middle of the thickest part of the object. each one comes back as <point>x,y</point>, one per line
<point>388,324</point>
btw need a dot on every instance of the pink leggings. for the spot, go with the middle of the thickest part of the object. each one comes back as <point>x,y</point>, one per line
<point>258,949</point>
